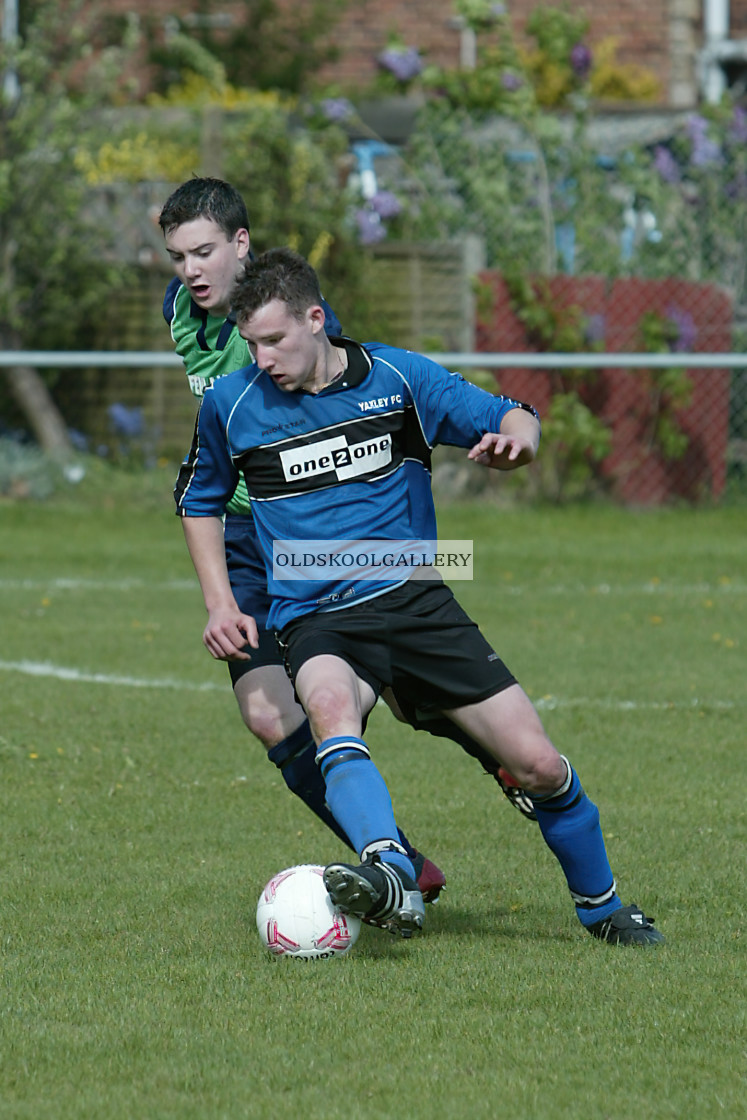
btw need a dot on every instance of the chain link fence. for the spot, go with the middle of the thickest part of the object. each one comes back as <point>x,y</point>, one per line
<point>610,428</point>
<point>644,433</point>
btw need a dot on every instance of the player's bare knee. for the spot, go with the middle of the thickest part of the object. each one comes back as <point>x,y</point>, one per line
<point>326,703</point>
<point>266,726</point>
<point>267,705</point>
<point>544,771</point>
<point>266,721</point>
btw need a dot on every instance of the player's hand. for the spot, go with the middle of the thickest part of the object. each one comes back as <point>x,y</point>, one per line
<point>502,452</point>
<point>227,633</point>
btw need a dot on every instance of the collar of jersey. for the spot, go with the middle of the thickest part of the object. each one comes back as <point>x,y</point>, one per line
<point>359,364</point>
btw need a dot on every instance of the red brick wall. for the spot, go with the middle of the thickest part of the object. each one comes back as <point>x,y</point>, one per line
<point>624,399</point>
<point>367,25</point>
<point>640,25</point>
<point>364,29</point>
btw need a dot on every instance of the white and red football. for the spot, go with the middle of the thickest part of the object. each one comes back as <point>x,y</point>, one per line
<point>297,918</point>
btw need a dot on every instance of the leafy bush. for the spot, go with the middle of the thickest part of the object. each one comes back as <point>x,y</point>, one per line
<point>508,151</point>
<point>56,264</point>
<point>268,45</point>
<point>550,74</point>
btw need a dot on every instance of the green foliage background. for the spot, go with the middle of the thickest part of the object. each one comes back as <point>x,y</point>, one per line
<point>56,265</point>
<point>505,151</point>
<point>510,163</point>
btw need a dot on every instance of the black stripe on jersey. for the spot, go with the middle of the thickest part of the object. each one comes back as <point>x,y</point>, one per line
<point>526,407</point>
<point>225,333</point>
<point>187,470</point>
<point>197,312</point>
<point>357,450</point>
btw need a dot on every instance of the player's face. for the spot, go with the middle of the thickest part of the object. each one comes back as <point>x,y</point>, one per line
<point>285,347</point>
<point>207,262</point>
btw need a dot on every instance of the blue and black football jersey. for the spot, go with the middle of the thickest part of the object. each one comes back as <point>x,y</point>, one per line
<point>351,462</point>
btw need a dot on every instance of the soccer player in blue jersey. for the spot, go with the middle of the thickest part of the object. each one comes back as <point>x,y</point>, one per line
<point>326,432</point>
<point>206,231</point>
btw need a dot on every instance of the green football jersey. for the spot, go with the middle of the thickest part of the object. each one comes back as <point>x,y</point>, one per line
<point>210,347</point>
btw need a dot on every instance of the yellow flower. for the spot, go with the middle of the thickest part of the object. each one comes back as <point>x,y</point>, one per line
<point>319,250</point>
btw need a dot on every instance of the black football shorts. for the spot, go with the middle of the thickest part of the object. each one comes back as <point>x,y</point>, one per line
<point>416,639</point>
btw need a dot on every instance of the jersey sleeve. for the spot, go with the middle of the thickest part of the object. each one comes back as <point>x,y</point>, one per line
<point>452,410</point>
<point>207,478</point>
<point>169,299</point>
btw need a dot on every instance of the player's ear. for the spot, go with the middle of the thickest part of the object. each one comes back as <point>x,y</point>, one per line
<point>241,237</point>
<point>316,318</point>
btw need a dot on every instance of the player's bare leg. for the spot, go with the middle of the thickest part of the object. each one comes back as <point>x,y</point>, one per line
<point>508,726</point>
<point>382,888</point>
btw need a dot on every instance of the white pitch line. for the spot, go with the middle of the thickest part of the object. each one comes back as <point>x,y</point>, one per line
<point>61,673</point>
<point>631,589</point>
<point>730,587</point>
<point>544,703</point>
<point>552,703</point>
<point>61,584</point>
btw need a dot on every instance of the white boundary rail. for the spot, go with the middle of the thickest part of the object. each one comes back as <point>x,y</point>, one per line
<point>144,359</point>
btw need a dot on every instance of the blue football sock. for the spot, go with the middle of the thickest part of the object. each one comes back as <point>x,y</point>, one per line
<point>569,822</point>
<point>295,758</point>
<point>358,797</point>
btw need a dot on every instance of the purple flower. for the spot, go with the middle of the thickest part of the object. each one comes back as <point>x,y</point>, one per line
<point>581,61</point>
<point>684,324</point>
<point>736,188</point>
<point>696,125</point>
<point>78,439</point>
<point>370,226</point>
<point>595,328</point>
<point>738,127</point>
<point>337,109</point>
<point>125,421</point>
<point>704,150</point>
<point>666,164</point>
<point>404,62</point>
<point>510,82</point>
<point>386,204</point>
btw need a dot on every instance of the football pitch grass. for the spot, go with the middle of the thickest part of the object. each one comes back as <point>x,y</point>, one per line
<point>140,822</point>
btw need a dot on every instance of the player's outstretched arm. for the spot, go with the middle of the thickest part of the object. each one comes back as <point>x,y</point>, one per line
<point>514,446</point>
<point>228,629</point>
